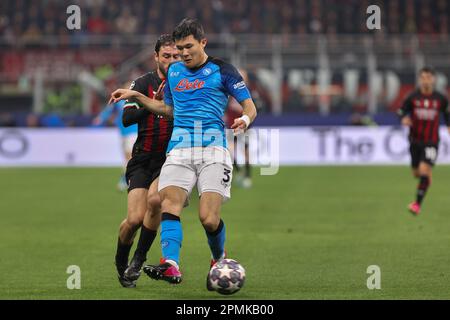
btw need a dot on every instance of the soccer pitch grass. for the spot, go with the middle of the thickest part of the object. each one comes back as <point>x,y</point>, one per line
<point>305,233</point>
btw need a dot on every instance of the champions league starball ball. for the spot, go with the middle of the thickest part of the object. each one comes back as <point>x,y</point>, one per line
<point>226,277</point>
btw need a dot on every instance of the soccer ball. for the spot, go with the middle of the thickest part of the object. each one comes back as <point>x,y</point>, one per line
<point>226,277</point>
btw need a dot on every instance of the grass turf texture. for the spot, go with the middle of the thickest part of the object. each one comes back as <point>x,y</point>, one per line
<point>305,233</point>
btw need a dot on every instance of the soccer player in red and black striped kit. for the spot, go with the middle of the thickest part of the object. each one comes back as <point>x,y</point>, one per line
<point>421,113</point>
<point>148,156</point>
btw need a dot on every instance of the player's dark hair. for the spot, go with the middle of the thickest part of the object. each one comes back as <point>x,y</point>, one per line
<point>188,27</point>
<point>163,40</point>
<point>427,69</point>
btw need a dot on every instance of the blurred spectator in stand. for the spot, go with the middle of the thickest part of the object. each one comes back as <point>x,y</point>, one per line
<point>393,17</point>
<point>442,8</point>
<point>96,24</point>
<point>32,121</point>
<point>7,120</point>
<point>426,25</point>
<point>231,16</point>
<point>443,26</point>
<point>126,23</point>
<point>410,21</point>
<point>52,120</point>
<point>32,35</point>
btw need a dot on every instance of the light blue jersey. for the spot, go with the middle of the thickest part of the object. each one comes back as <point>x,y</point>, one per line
<point>199,97</point>
<point>117,109</point>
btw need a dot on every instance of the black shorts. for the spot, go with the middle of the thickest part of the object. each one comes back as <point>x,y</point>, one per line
<point>143,169</point>
<point>423,153</point>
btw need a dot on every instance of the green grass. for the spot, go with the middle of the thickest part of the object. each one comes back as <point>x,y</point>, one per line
<point>305,233</point>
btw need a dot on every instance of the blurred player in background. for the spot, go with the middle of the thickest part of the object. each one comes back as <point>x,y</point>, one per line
<point>421,113</point>
<point>143,169</point>
<point>196,93</point>
<point>233,111</point>
<point>127,134</point>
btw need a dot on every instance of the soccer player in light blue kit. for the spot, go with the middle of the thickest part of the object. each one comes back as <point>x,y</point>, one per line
<point>127,134</point>
<point>195,95</point>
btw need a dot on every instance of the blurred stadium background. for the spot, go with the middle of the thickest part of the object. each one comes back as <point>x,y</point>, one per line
<point>311,64</point>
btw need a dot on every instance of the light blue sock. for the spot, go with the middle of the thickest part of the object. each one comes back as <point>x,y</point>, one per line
<point>171,237</point>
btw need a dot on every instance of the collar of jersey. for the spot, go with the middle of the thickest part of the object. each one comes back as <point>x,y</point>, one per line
<point>193,70</point>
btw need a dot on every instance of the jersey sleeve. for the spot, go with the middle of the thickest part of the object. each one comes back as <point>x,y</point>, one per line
<point>139,86</point>
<point>132,111</point>
<point>406,108</point>
<point>233,83</point>
<point>168,99</point>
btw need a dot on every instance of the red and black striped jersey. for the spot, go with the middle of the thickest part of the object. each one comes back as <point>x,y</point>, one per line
<point>425,111</point>
<point>154,131</point>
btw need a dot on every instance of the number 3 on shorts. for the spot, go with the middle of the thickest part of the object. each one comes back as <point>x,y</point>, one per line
<point>430,153</point>
<point>226,172</point>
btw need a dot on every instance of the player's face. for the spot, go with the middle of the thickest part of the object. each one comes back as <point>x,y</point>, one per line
<point>426,81</point>
<point>191,50</point>
<point>165,56</point>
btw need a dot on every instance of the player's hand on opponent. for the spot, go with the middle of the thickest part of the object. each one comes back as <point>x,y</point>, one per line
<point>406,121</point>
<point>160,93</point>
<point>122,94</point>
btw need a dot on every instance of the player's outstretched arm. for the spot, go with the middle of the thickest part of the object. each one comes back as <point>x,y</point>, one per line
<point>248,116</point>
<point>153,105</point>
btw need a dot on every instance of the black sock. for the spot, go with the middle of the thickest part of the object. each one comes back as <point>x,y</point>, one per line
<point>247,161</point>
<point>422,188</point>
<point>145,241</point>
<point>235,164</point>
<point>123,251</point>
<point>247,170</point>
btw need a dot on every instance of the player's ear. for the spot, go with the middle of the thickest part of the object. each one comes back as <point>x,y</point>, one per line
<point>203,42</point>
<point>155,54</point>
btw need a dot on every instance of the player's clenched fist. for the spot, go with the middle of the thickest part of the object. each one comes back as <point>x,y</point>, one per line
<point>240,124</point>
<point>122,94</point>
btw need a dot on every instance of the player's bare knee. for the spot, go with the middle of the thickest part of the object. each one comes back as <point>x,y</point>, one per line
<point>169,205</point>
<point>209,225</point>
<point>154,203</point>
<point>154,210</point>
<point>425,173</point>
<point>172,203</point>
<point>210,222</point>
<point>134,221</point>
